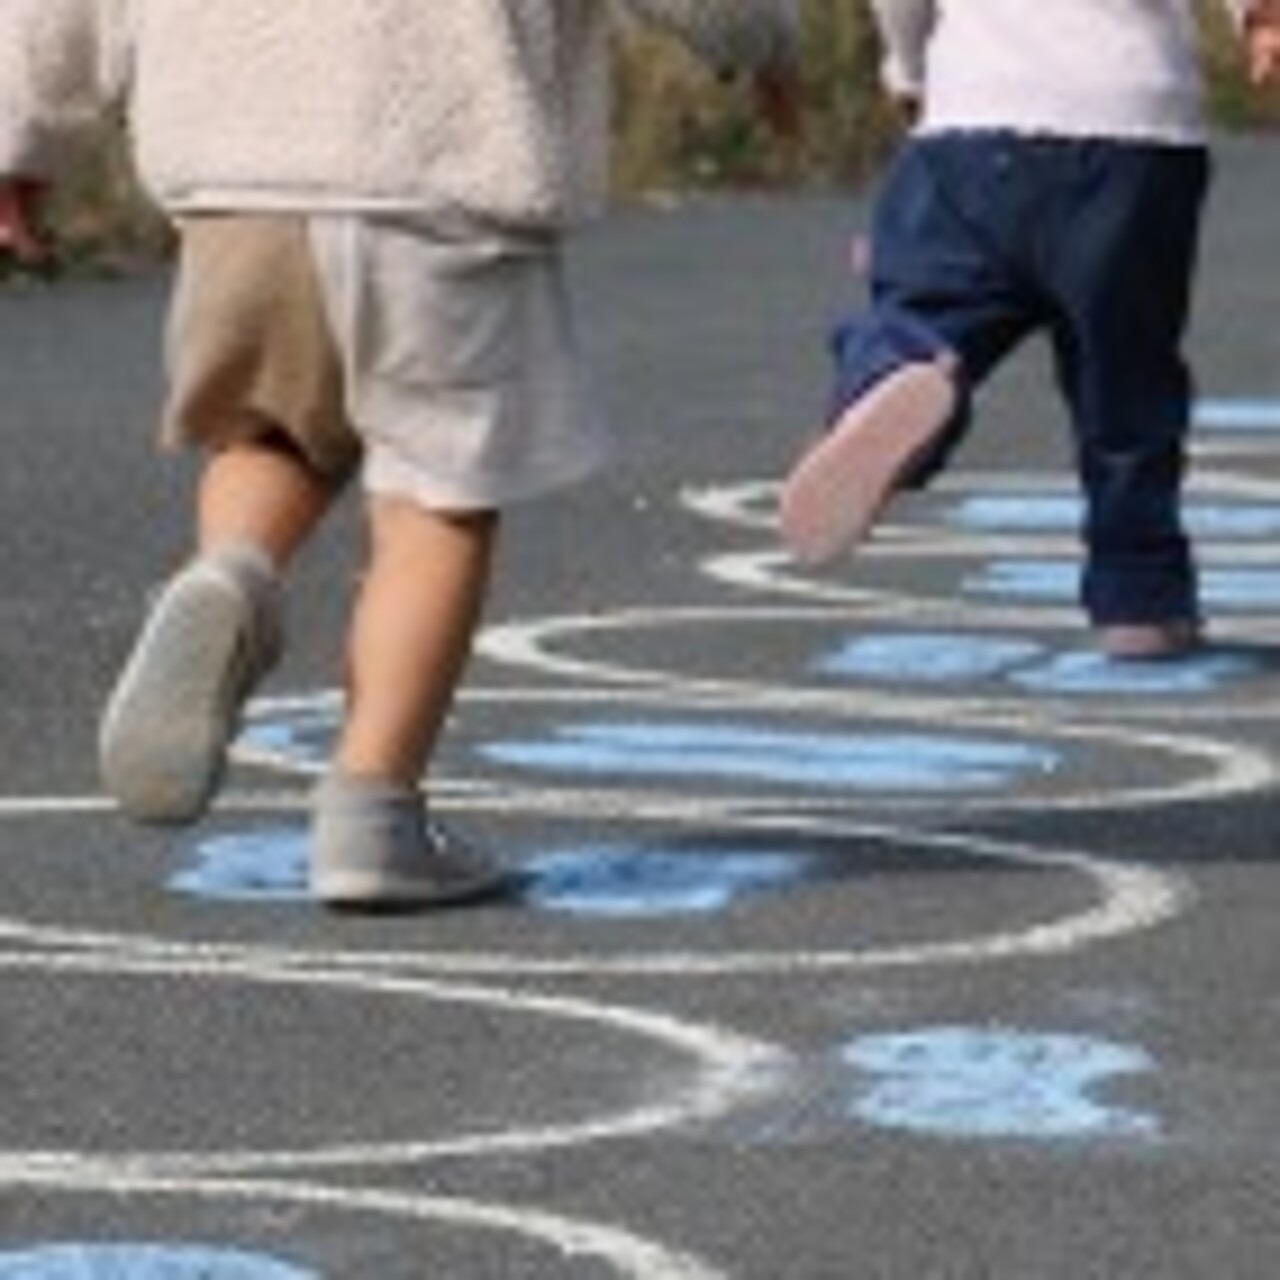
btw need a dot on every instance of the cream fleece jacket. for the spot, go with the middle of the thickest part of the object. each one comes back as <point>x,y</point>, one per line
<point>495,110</point>
<point>1124,69</point>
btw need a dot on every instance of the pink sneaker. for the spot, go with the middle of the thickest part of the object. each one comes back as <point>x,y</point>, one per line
<point>837,490</point>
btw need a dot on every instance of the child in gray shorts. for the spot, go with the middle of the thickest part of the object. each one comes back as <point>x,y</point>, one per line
<point>370,197</point>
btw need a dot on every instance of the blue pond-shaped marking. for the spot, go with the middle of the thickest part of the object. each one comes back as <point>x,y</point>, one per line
<point>1054,513</point>
<point>634,882</point>
<point>826,761</point>
<point>304,737</point>
<point>1057,581</point>
<point>1092,673</point>
<point>950,659</point>
<point>142,1262</point>
<point>267,865</point>
<point>1238,414</point>
<point>614,881</point>
<point>927,657</point>
<point>993,1082</point>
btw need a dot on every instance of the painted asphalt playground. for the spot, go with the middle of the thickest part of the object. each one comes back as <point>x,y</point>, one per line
<point>873,927</point>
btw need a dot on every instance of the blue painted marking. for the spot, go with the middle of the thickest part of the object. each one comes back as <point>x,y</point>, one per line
<point>1020,514</point>
<point>931,658</point>
<point>1008,513</point>
<point>857,762</point>
<point>1039,580</point>
<point>1058,580</point>
<point>269,864</point>
<point>1238,415</point>
<point>622,881</point>
<point>142,1262</point>
<point>1094,673</point>
<point>304,736</point>
<point>958,659</point>
<point>1242,588</point>
<point>995,1082</point>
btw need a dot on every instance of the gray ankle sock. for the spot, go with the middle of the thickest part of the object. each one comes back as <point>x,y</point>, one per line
<point>249,566</point>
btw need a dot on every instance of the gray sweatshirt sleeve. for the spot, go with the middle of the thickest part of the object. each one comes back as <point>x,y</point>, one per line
<point>727,34</point>
<point>62,66</point>
<point>904,27</point>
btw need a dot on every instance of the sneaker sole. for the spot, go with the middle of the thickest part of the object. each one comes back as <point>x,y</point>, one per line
<point>169,722</point>
<point>355,891</point>
<point>835,493</point>
<point>1154,642</point>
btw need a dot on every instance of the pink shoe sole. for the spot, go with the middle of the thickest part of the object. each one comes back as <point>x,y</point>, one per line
<point>839,487</point>
<point>1149,641</point>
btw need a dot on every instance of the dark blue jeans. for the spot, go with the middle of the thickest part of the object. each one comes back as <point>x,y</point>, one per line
<point>980,240</point>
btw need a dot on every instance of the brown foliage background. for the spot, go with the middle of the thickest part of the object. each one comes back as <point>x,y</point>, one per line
<point>677,128</point>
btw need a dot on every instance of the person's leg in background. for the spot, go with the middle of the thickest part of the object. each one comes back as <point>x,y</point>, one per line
<point>943,311</point>
<point>1126,262</point>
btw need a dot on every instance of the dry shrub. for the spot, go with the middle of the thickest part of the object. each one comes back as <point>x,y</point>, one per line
<point>678,127</point>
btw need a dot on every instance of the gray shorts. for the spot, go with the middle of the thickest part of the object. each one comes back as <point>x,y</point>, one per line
<point>444,366</point>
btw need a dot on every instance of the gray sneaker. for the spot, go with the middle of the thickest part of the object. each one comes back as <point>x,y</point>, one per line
<point>209,637</point>
<point>375,847</point>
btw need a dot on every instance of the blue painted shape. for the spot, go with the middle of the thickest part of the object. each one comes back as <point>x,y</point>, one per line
<point>1016,513</point>
<point>1011,513</point>
<point>620,881</point>
<point>846,762</point>
<point>995,1082</point>
<point>142,1262</point>
<point>305,736</point>
<point>1235,520</point>
<point>1046,581</point>
<point>1243,589</point>
<point>1088,673</point>
<point>1039,580</point>
<point>268,864</point>
<point>1238,414</point>
<point>933,659</point>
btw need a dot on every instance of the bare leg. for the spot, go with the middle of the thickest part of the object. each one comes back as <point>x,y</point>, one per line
<point>210,635</point>
<point>411,635</point>
<point>260,495</point>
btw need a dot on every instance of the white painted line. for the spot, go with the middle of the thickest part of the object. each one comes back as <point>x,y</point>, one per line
<point>1130,899</point>
<point>626,1254</point>
<point>541,645</point>
<point>725,1068</point>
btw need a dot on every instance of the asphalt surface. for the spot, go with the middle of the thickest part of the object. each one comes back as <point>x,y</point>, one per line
<point>873,927</point>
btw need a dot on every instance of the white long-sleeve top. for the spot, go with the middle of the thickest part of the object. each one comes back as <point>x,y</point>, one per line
<point>1125,69</point>
<point>492,109</point>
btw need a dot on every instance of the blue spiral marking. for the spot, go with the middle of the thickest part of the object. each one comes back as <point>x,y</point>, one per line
<point>1009,513</point>
<point>304,737</point>
<point>941,658</point>
<point>996,1083</point>
<point>615,881</point>
<point>1092,673</point>
<point>1057,581</point>
<point>142,1262</point>
<point>636,882</point>
<point>828,762</point>
<point>928,658</point>
<point>267,865</point>
<point>1238,414</point>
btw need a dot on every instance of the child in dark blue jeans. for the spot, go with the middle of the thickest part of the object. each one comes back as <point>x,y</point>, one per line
<point>1056,194</point>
